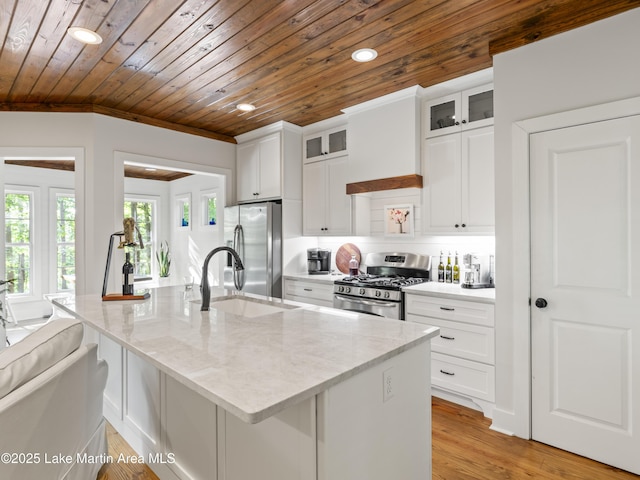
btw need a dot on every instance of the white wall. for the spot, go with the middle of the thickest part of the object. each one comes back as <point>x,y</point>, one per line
<point>418,243</point>
<point>100,137</point>
<point>189,246</point>
<point>591,65</point>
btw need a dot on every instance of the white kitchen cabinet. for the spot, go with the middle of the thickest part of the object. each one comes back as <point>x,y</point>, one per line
<point>326,205</point>
<point>326,144</point>
<point>315,293</point>
<point>259,169</point>
<point>463,355</point>
<point>459,183</point>
<point>472,108</point>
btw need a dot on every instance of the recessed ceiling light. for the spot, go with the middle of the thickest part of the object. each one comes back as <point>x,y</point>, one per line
<point>150,169</point>
<point>85,35</point>
<point>364,55</point>
<point>245,107</point>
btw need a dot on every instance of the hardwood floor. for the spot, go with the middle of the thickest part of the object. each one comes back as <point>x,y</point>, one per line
<point>122,471</point>
<point>463,449</point>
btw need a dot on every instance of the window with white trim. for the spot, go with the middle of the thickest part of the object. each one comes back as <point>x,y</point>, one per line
<point>143,213</point>
<point>65,221</point>
<point>18,218</point>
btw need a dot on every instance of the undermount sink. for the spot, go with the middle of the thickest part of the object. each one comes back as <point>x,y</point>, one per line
<point>248,307</point>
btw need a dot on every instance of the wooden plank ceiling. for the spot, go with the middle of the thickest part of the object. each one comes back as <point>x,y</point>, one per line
<point>130,171</point>
<point>186,64</point>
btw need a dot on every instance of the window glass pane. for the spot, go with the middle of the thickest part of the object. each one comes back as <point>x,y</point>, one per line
<point>18,268</point>
<point>212,211</point>
<point>142,214</point>
<point>18,241</point>
<point>65,242</point>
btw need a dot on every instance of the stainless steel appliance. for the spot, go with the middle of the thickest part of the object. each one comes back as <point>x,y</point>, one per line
<point>478,271</point>
<point>318,261</point>
<point>255,232</point>
<point>378,292</point>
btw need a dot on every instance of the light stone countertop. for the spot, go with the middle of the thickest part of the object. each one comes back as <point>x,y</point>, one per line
<point>453,292</point>
<point>251,367</point>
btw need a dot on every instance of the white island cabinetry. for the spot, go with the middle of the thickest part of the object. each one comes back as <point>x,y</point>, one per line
<point>463,354</point>
<point>283,392</point>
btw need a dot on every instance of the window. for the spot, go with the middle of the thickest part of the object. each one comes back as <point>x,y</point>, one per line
<point>18,212</point>
<point>209,207</point>
<point>65,242</point>
<point>142,212</point>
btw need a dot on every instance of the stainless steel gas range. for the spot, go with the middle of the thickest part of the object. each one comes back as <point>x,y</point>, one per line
<point>378,292</point>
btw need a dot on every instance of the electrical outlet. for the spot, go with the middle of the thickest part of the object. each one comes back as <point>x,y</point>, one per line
<point>388,384</point>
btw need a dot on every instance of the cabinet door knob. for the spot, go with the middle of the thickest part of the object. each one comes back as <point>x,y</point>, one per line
<point>456,225</point>
<point>541,302</point>
<point>463,225</point>
<point>464,121</point>
<point>457,123</point>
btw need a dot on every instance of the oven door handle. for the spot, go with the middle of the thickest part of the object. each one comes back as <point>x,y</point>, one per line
<point>367,302</point>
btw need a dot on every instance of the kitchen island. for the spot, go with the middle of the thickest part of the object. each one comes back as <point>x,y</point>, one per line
<point>263,388</point>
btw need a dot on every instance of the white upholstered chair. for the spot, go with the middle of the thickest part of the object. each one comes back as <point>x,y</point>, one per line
<point>51,389</point>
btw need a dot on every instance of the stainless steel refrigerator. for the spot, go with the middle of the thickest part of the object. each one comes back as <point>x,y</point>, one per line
<point>255,232</point>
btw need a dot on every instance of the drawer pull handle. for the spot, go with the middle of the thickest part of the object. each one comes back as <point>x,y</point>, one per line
<point>447,338</point>
<point>448,309</point>
<point>447,373</point>
<point>308,289</point>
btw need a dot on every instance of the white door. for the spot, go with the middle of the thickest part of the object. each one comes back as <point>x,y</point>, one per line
<point>585,264</point>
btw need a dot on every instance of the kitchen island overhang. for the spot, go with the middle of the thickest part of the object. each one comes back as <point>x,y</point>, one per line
<point>259,367</point>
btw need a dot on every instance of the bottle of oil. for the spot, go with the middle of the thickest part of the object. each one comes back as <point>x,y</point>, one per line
<point>127,276</point>
<point>456,271</point>
<point>448,270</point>
<point>441,269</point>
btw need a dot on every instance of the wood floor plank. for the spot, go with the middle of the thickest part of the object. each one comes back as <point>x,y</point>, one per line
<point>464,448</point>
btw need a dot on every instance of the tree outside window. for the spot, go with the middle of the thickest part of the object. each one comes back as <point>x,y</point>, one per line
<point>18,208</point>
<point>142,213</point>
<point>65,242</point>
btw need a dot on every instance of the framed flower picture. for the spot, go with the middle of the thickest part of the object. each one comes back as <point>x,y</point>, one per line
<point>398,220</point>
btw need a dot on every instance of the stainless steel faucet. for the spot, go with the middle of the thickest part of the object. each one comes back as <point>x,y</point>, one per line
<point>204,286</point>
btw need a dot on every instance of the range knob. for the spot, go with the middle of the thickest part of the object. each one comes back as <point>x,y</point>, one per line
<point>361,291</point>
<point>347,289</point>
<point>378,293</point>
<point>387,294</point>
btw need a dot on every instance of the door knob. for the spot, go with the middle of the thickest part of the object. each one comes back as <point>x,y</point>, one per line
<point>541,303</point>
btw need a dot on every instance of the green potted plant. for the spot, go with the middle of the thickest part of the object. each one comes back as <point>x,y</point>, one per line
<point>3,319</point>
<point>164,259</point>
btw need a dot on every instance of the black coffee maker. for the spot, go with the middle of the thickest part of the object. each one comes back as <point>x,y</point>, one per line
<point>318,261</point>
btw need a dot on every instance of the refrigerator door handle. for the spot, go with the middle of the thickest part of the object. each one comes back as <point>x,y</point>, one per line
<point>238,246</point>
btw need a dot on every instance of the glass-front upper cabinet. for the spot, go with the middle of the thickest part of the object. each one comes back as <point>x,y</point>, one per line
<point>459,111</point>
<point>326,144</point>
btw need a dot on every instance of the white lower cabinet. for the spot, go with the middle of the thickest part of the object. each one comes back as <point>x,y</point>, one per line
<point>315,293</point>
<point>463,355</point>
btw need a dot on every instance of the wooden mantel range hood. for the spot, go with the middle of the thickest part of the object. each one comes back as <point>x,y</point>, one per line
<point>391,183</point>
